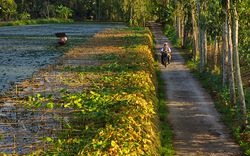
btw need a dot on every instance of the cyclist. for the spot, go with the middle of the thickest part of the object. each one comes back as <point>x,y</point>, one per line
<point>166,52</point>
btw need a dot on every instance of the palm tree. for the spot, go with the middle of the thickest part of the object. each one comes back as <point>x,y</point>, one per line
<point>64,12</point>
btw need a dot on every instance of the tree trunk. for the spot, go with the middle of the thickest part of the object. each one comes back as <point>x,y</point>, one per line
<point>215,52</point>
<point>47,4</point>
<point>204,47</point>
<point>225,54</point>
<point>230,64</point>
<point>231,69</point>
<point>99,10</point>
<point>200,40</point>
<point>237,68</point>
<point>203,50</point>
<point>195,36</point>
<point>178,26</point>
<point>182,31</point>
<point>131,15</point>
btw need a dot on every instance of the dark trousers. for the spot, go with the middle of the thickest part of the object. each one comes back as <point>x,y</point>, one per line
<point>163,54</point>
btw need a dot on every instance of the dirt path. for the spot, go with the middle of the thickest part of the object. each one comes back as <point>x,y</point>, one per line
<point>192,115</point>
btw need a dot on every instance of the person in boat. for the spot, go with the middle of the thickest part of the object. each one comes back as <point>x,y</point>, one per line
<point>63,40</point>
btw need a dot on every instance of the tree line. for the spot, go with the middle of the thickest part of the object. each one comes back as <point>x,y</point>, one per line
<point>134,12</point>
<point>217,33</point>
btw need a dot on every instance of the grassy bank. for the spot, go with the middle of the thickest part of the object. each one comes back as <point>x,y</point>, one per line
<point>37,21</point>
<point>118,110</point>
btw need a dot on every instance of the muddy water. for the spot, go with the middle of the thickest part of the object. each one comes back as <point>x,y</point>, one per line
<point>26,49</point>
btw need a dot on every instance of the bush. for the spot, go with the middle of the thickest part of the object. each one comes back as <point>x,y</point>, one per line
<point>117,113</point>
<point>170,32</point>
<point>23,16</point>
<point>37,21</point>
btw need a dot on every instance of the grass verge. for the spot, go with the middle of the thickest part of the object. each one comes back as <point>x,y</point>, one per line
<point>37,21</point>
<point>166,134</point>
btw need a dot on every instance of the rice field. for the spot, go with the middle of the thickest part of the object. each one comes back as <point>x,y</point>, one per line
<point>24,50</point>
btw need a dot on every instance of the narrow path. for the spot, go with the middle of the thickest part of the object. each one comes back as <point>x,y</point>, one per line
<point>195,122</point>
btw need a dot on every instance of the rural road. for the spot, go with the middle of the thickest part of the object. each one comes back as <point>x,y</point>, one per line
<point>195,122</point>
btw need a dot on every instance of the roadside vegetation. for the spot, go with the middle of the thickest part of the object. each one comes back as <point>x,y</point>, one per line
<point>121,111</point>
<point>211,81</point>
<point>134,13</point>
<point>34,21</point>
<point>214,38</point>
<point>121,108</point>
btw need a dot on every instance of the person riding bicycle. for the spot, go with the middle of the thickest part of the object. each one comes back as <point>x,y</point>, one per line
<point>166,52</point>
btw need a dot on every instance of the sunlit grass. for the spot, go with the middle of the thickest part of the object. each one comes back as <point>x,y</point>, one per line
<point>119,105</point>
<point>37,21</point>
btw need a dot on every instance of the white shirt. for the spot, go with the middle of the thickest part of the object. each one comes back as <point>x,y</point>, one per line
<point>168,49</point>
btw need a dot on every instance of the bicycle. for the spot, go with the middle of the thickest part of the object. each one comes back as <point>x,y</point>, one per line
<point>165,58</point>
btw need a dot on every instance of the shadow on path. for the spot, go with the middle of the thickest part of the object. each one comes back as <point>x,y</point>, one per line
<point>196,126</point>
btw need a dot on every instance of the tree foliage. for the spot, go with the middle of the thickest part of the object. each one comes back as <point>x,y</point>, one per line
<point>218,32</point>
<point>8,8</point>
<point>64,12</point>
<point>135,12</point>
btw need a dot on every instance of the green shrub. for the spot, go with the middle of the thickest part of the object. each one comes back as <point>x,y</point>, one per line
<point>37,21</point>
<point>118,113</point>
<point>170,32</point>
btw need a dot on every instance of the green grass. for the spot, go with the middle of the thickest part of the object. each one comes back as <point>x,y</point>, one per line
<point>123,111</point>
<point>166,134</point>
<point>37,21</point>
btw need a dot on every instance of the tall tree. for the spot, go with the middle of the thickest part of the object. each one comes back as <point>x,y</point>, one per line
<point>225,54</point>
<point>230,55</point>
<point>9,8</point>
<point>211,21</point>
<point>201,35</point>
<point>179,14</point>
<point>64,12</point>
<point>136,11</point>
<point>216,51</point>
<point>195,31</point>
<point>237,65</point>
